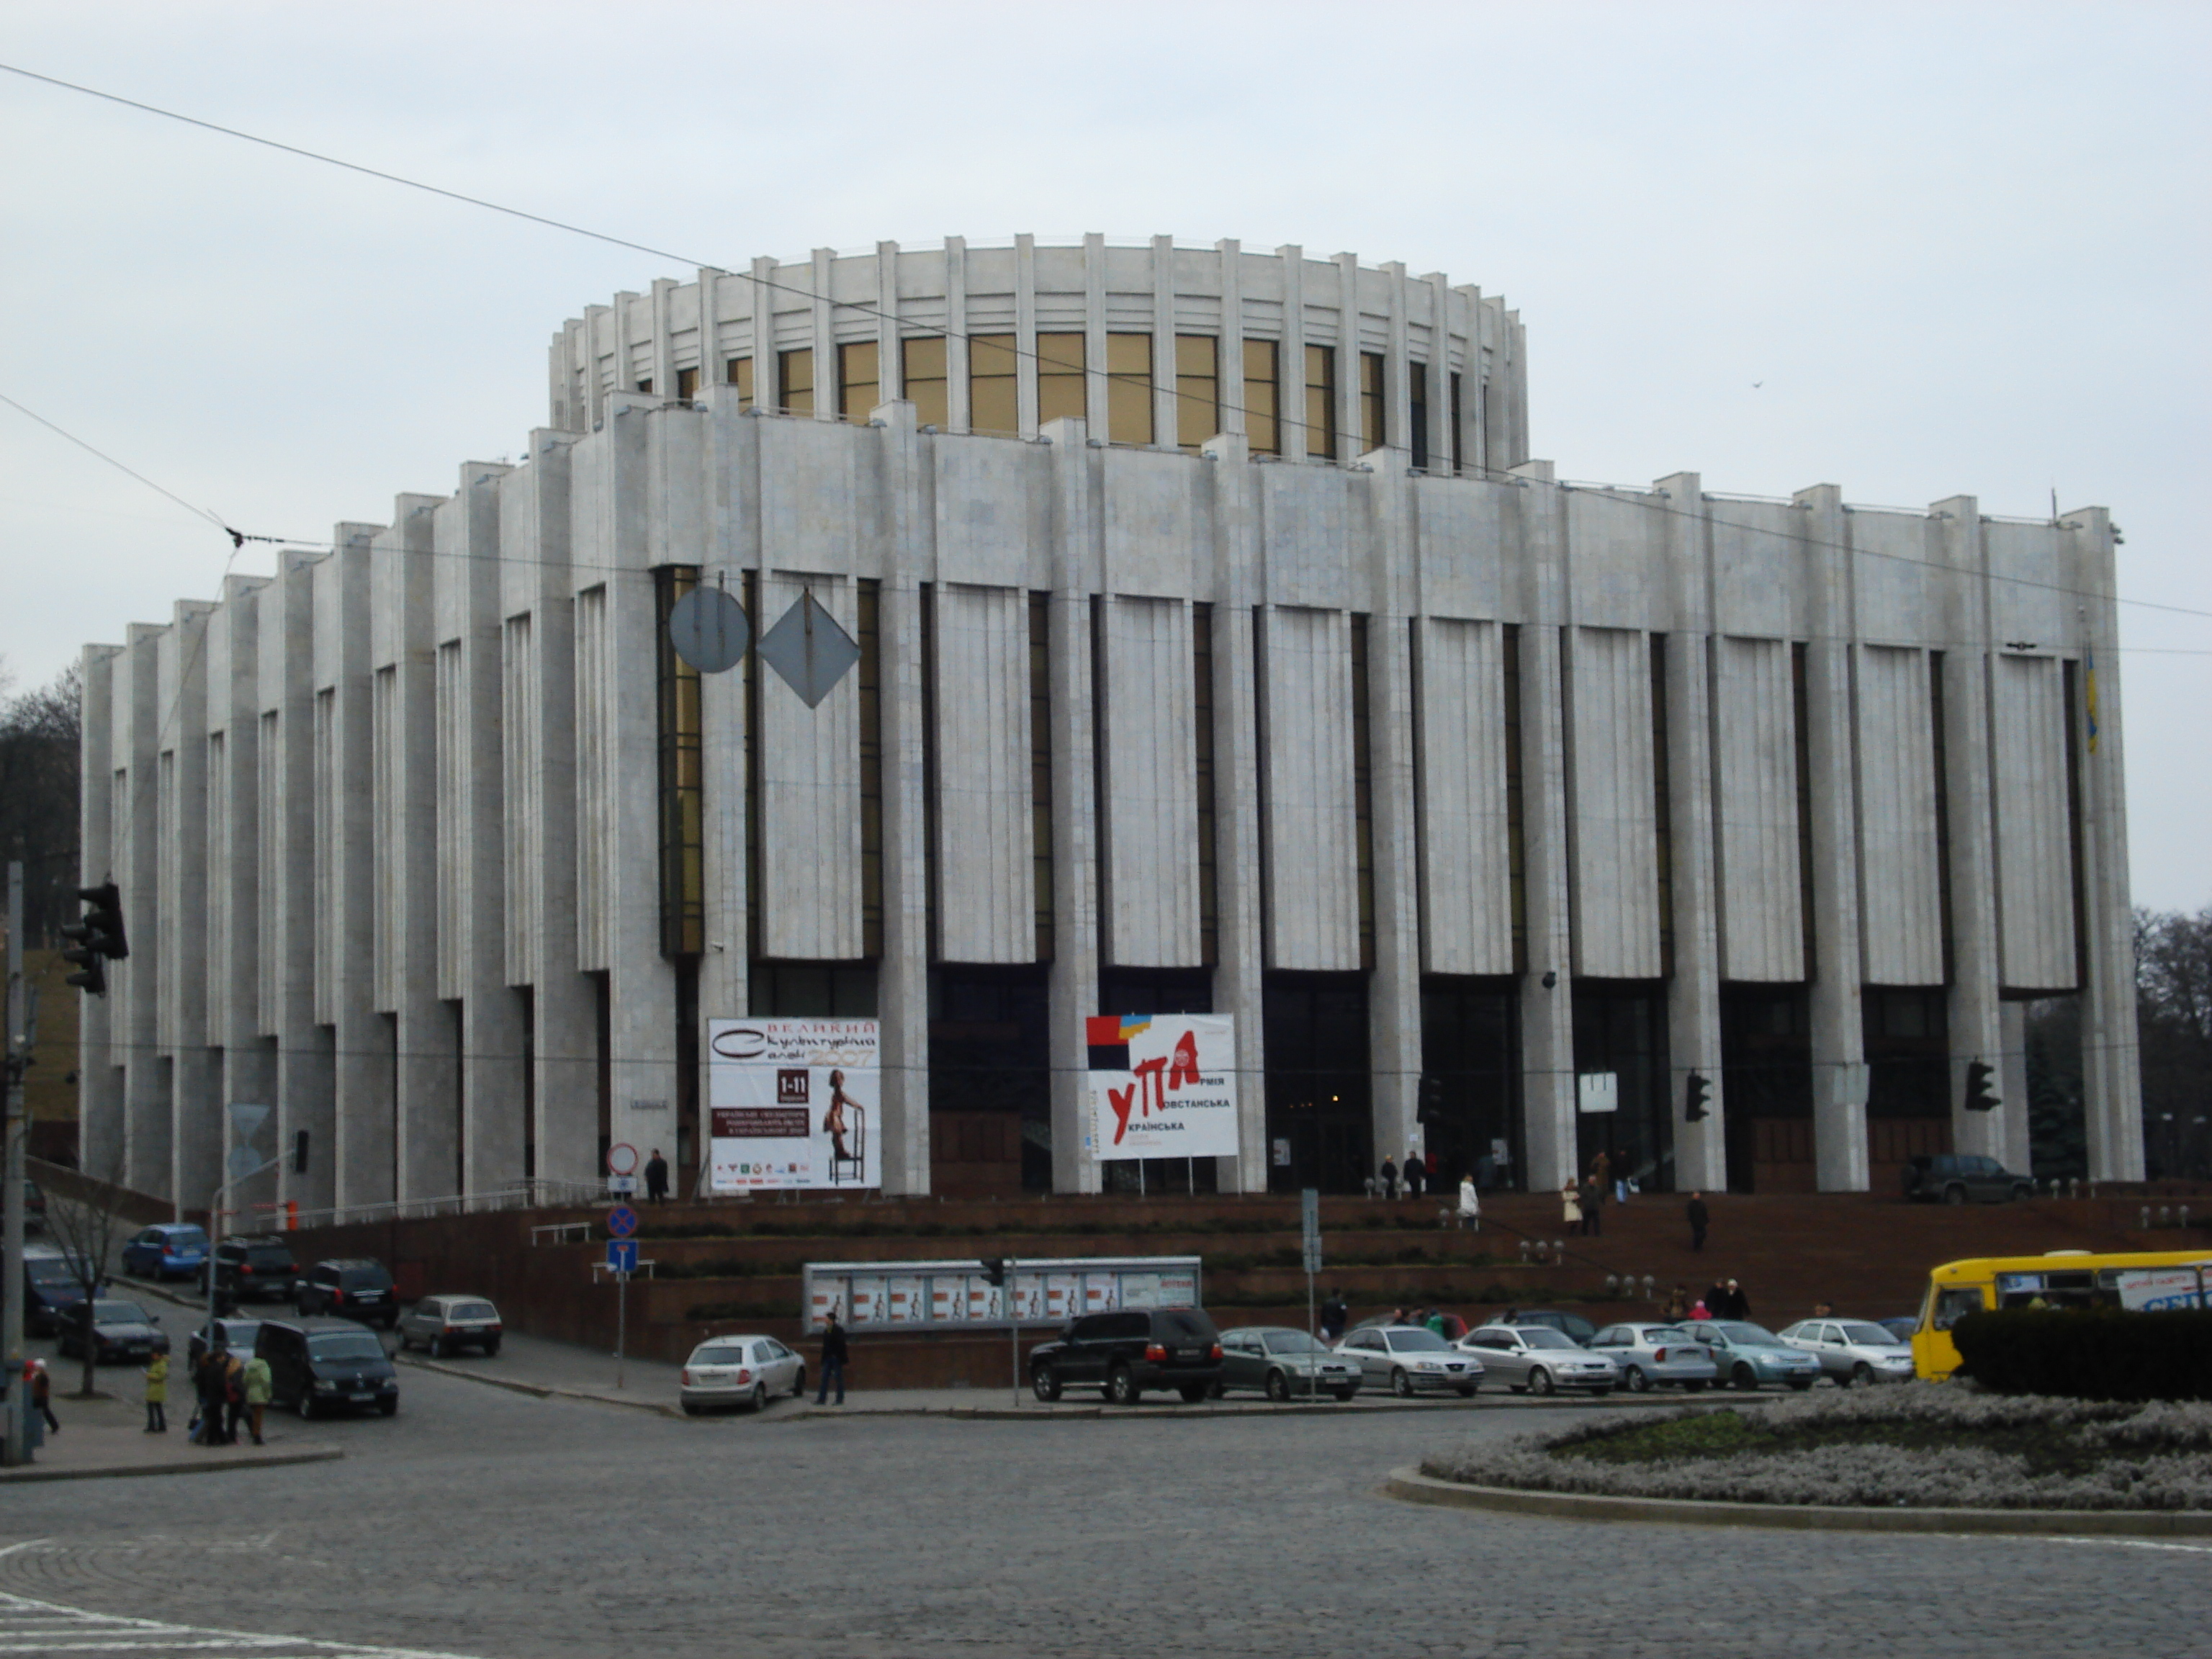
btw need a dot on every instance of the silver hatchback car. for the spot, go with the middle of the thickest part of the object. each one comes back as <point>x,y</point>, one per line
<point>1651,1356</point>
<point>739,1371</point>
<point>1410,1359</point>
<point>1537,1359</point>
<point>1853,1349</point>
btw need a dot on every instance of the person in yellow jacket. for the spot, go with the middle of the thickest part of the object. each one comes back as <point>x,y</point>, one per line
<point>258,1383</point>
<point>157,1393</point>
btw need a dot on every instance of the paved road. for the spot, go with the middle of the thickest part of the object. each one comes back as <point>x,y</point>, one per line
<point>483,1523</point>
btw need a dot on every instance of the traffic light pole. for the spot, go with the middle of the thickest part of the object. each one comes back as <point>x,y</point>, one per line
<point>16,1394</point>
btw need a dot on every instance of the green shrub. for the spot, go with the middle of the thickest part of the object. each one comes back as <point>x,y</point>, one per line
<point>2103,1355</point>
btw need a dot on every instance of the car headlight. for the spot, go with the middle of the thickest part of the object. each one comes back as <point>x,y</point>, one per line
<point>325,1388</point>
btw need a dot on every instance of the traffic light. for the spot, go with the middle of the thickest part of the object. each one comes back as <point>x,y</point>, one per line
<point>995,1269</point>
<point>1696,1091</point>
<point>99,938</point>
<point>1981,1094</point>
<point>1431,1107</point>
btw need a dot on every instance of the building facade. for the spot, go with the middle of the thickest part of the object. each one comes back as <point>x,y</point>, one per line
<point>1221,649</point>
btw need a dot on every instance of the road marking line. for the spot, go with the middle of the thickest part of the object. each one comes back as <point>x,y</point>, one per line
<point>29,1626</point>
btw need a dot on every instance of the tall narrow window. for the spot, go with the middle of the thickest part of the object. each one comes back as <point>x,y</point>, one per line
<point>1129,388</point>
<point>1662,808</point>
<point>1040,768</point>
<point>687,384</point>
<point>1515,845</point>
<point>1263,402</point>
<point>1458,428</point>
<point>860,383</point>
<point>1372,428</point>
<point>1363,787</point>
<point>797,369</point>
<point>1198,389</point>
<point>1320,401</point>
<point>1417,377</point>
<point>1209,886</point>
<point>1059,378</point>
<point>921,373</point>
<point>682,824</point>
<point>868,606</point>
<point>992,375</point>
<point>740,375</point>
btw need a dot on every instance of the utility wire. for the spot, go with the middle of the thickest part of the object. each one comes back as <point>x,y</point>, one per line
<point>62,432</point>
<point>1283,418</point>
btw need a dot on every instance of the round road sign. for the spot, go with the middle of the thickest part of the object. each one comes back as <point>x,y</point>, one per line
<point>710,630</point>
<point>622,1221</point>
<point>622,1158</point>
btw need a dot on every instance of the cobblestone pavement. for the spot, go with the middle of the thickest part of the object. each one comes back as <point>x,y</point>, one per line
<point>486,1524</point>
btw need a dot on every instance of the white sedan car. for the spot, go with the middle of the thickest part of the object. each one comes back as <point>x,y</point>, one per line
<point>739,1371</point>
<point>1853,1349</point>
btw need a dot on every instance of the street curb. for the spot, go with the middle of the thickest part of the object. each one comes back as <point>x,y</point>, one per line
<point>1408,1485</point>
<point>317,1455</point>
<point>536,1390</point>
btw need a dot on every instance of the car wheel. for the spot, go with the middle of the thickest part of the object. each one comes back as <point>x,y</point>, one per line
<point>1216,1390</point>
<point>1194,1394</point>
<point>1279,1387</point>
<point>799,1383</point>
<point>1121,1387</point>
<point>1044,1383</point>
<point>2023,1192</point>
<point>389,1408</point>
<point>440,1347</point>
<point>492,1347</point>
<point>1401,1385</point>
<point>1637,1382</point>
<point>1744,1378</point>
<point>1540,1381</point>
<point>1954,1194</point>
<point>760,1396</point>
<point>1861,1376</point>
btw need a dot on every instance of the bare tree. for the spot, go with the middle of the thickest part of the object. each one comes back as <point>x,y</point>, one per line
<point>85,1224</point>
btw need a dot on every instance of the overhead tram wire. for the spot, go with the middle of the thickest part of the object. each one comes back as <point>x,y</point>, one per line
<point>1633,496</point>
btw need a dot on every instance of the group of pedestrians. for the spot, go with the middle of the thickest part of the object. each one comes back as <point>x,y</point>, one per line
<point>1582,1203</point>
<point>1416,1175</point>
<point>1725,1300</point>
<point>228,1393</point>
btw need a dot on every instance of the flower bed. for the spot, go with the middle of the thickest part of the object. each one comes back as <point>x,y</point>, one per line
<point>1920,1445</point>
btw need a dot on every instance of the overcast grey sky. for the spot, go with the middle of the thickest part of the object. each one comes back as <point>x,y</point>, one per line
<point>1964,247</point>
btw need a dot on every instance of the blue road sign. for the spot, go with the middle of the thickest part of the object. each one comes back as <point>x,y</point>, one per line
<point>622,1221</point>
<point>622,1255</point>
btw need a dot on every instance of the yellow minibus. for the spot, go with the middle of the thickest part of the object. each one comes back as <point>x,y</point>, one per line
<point>2148,1282</point>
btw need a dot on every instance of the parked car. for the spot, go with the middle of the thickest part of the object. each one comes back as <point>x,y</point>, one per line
<point>1901,1326</point>
<point>354,1287</point>
<point>52,1291</point>
<point>1539,1359</point>
<point>1747,1355</point>
<point>1853,1349</point>
<point>238,1336</point>
<point>1652,1356</point>
<point>731,1371</point>
<point>1955,1177</point>
<point>1567,1324</point>
<point>114,1329</point>
<point>1127,1352</point>
<point>1410,1359</point>
<point>320,1365</point>
<point>1280,1362</point>
<point>445,1324</point>
<point>251,1270</point>
<point>169,1249</point>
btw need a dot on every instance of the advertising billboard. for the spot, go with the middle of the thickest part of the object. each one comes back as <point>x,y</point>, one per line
<point>956,1295</point>
<point>1162,1086</point>
<point>793,1103</point>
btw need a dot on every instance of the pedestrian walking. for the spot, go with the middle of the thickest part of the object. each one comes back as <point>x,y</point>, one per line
<point>1334,1316</point>
<point>42,1396</point>
<point>1677,1305</point>
<point>1739,1304</point>
<point>656,1178</point>
<point>233,1398</point>
<point>1416,1175</point>
<point>1699,1217</point>
<point>1389,1173</point>
<point>1571,1206</point>
<point>1601,1169</point>
<point>258,1385</point>
<point>1470,1203</point>
<point>1593,1206</point>
<point>157,1393</point>
<point>834,1355</point>
<point>208,1383</point>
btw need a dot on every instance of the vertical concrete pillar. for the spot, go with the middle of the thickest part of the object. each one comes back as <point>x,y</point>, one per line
<point>1547,1027</point>
<point>957,389</point>
<point>135,983</point>
<point>1350,440</point>
<point>235,872</point>
<point>1694,993</point>
<point>1232,353</point>
<point>1073,983</point>
<point>1395,989</point>
<point>1839,1125</point>
<point>195,1133</point>
<point>99,1071</point>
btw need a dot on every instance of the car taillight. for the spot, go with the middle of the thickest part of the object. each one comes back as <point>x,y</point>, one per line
<point>1659,1355</point>
<point>687,1376</point>
<point>1214,1353</point>
<point>744,1376</point>
<point>336,1296</point>
<point>1155,1353</point>
<point>246,1269</point>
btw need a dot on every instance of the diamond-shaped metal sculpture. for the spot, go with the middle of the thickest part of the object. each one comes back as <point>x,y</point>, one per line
<point>710,630</point>
<point>810,650</point>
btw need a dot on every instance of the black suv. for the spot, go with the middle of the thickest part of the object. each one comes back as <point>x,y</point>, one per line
<point>353,1287</point>
<point>1125,1353</point>
<point>253,1270</point>
<point>317,1365</point>
<point>1954,1177</point>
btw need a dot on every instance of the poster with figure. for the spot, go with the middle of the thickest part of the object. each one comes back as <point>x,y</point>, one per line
<point>794,1103</point>
<point>1162,1086</point>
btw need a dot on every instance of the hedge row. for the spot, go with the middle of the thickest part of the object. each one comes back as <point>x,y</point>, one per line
<point>2101,1355</point>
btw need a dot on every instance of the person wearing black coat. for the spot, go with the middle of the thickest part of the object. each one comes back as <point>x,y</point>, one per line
<point>1700,1217</point>
<point>1389,1173</point>
<point>834,1355</point>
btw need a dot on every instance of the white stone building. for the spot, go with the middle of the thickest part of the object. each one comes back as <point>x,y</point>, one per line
<point>1221,648</point>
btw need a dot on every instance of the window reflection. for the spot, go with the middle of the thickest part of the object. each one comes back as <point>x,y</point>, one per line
<point>993,365</point>
<point>1416,379</point>
<point>796,376</point>
<point>1129,388</point>
<point>922,377</point>
<point>859,382</point>
<point>1059,378</point>
<point>740,375</point>
<point>1370,401</point>
<point>687,383</point>
<point>1320,401</point>
<point>1198,389</point>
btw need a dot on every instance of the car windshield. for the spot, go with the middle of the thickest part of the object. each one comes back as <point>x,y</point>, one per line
<point>1543,1336</point>
<point>345,1345</point>
<point>1872,1336</point>
<point>1660,1334</point>
<point>185,1238</point>
<point>270,1255</point>
<point>1293,1342</point>
<point>49,1270</point>
<point>471,1310</point>
<point>365,1279</point>
<point>238,1334</point>
<point>119,1313</point>
<point>1750,1336</point>
<point>720,1353</point>
<point>1410,1341</point>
